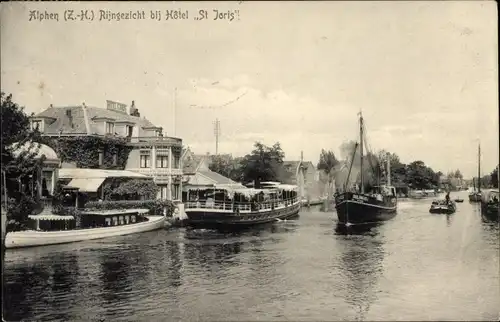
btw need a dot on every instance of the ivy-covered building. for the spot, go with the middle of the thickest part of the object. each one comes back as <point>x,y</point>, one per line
<point>115,137</point>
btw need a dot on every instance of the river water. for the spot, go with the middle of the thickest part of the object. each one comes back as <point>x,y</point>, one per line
<point>417,266</point>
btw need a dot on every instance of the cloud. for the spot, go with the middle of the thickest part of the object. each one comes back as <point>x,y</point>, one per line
<point>248,114</point>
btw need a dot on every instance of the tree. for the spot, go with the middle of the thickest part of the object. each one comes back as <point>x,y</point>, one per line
<point>398,169</point>
<point>458,174</point>
<point>263,163</point>
<point>227,166</point>
<point>421,177</point>
<point>494,178</point>
<point>19,162</point>
<point>328,164</point>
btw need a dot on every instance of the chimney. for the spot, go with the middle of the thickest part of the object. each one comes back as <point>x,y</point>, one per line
<point>70,117</point>
<point>50,106</point>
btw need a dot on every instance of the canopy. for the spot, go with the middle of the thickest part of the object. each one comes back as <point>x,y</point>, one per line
<point>50,217</point>
<point>141,211</point>
<point>85,185</point>
<point>288,187</point>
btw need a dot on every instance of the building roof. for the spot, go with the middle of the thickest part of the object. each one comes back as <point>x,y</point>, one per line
<point>43,149</point>
<point>74,173</point>
<point>216,177</point>
<point>192,165</point>
<point>79,120</point>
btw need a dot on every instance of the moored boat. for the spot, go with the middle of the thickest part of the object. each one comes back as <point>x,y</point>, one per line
<point>54,229</point>
<point>366,207</point>
<point>442,207</point>
<point>490,210</point>
<point>229,207</point>
<point>459,200</point>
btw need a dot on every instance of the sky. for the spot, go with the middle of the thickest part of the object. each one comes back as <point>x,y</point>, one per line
<point>424,74</point>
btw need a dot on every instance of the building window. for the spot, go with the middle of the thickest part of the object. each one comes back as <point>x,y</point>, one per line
<point>115,159</point>
<point>110,128</point>
<point>47,185</point>
<point>130,130</point>
<point>162,161</point>
<point>145,161</point>
<point>101,157</point>
<point>163,193</point>
<point>36,125</point>
<point>176,192</point>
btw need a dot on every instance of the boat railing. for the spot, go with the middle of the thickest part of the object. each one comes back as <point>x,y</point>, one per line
<point>241,206</point>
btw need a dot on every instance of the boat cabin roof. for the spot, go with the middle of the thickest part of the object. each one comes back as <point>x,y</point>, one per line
<point>248,191</point>
<point>270,183</point>
<point>140,211</point>
<point>50,217</point>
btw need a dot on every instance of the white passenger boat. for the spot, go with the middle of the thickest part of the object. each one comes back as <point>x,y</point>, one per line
<point>54,229</point>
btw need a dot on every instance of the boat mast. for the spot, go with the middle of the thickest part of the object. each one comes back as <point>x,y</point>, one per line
<point>479,169</point>
<point>388,169</point>
<point>361,150</point>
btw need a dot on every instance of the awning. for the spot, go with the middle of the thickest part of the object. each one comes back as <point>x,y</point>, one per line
<point>85,185</point>
<point>50,217</point>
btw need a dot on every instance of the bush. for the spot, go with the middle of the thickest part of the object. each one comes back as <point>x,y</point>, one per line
<point>18,210</point>
<point>155,206</point>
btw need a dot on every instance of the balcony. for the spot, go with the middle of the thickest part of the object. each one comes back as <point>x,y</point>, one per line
<point>157,171</point>
<point>155,140</point>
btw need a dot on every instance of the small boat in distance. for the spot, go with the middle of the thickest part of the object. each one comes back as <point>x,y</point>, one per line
<point>442,207</point>
<point>458,200</point>
<point>475,195</point>
<point>231,207</point>
<point>55,229</point>
<point>366,207</point>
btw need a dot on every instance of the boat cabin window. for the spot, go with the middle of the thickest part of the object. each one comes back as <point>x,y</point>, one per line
<point>108,221</point>
<point>115,221</point>
<point>127,219</point>
<point>132,218</point>
<point>122,221</point>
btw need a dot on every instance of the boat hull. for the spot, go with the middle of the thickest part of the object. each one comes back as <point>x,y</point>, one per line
<point>33,238</point>
<point>442,210</point>
<point>212,219</point>
<point>357,209</point>
<point>490,212</point>
<point>475,197</point>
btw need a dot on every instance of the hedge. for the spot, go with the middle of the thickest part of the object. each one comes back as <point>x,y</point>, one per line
<point>155,206</point>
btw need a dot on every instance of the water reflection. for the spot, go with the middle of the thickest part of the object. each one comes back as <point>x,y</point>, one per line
<point>361,263</point>
<point>114,277</point>
<point>449,220</point>
<point>219,252</point>
<point>172,263</point>
<point>38,288</point>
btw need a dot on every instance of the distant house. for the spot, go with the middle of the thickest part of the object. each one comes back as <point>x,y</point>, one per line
<point>304,175</point>
<point>197,174</point>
